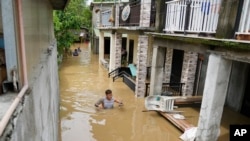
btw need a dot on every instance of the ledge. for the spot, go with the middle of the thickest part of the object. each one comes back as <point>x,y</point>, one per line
<point>224,43</point>
<point>132,28</point>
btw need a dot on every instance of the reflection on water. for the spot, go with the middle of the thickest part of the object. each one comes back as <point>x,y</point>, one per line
<point>83,81</point>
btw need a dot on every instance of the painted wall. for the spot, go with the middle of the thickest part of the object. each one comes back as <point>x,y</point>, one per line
<point>237,85</point>
<point>1,23</point>
<point>36,119</point>
<point>38,30</point>
<point>135,38</point>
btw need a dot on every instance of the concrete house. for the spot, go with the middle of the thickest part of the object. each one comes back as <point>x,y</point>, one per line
<point>203,46</point>
<point>123,27</point>
<point>30,103</point>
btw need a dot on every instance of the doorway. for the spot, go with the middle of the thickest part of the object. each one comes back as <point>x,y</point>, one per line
<point>246,100</point>
<point>131,51</point>
<point>177,62</point>
<point>106,45</point>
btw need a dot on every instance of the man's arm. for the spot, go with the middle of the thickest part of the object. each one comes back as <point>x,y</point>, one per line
<point>118,101</point>
<point>100,101</point>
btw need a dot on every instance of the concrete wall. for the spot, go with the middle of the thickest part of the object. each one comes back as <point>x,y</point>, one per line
<point>36,119</point>
<point>203,75</point>
<point>38,30</point>
<point>1,23</point>
<point>237,85</point>
<point>150,51</point>
<point>135,38</point>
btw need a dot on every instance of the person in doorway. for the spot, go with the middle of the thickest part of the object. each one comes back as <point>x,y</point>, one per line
<point>108,101</point>
<point>124,56</point>
<point>75,53</point>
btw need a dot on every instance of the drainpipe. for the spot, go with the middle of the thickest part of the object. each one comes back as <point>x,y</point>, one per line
<point>14,104</point>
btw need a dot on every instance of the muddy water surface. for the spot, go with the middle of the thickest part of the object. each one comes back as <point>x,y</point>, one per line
<point>82,83</point>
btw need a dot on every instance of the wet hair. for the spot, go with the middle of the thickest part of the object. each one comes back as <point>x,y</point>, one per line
<point>108,91</point>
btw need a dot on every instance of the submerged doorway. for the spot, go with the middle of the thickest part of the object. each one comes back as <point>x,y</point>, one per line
<point>131,51</point>
<point>176,66</point>
<point>246,100</point>
<point>106,45</point>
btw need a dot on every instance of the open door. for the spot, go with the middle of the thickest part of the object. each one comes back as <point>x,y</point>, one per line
<point>176,66</point>
<point>131,51</point>
<point>246,101</point>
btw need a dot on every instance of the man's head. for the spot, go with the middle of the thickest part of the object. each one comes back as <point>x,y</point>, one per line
<point>108,93</point>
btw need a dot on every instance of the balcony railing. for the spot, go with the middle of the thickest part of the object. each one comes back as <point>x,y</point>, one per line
<point>135,14</point>
<point>107,18</point>
<point>194,16</point>
<point>134,17</point>
<point>171,89</point>
<point>244,27</point>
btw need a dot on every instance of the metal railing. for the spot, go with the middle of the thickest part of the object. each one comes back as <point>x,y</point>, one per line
<point>122,74</point>
<point>193,16</point>
<point>244,27</point>
<point>119,70</point>
<point>172,89</point>
<point>135,14</point>
<point>107,19</point>
<point>134,17</point>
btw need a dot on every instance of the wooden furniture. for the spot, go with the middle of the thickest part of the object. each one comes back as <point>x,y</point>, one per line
<point>182,124</point>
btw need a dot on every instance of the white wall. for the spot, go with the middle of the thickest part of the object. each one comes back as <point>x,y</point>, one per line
<point>38,29</point>
<point>135,38</point>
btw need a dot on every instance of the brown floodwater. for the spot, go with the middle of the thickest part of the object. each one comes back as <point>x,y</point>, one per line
<point>83,81</point>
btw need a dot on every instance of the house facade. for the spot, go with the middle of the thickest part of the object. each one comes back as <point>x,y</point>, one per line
<point>30,50</point>
<point>203,45</point>
<point>128,33</point>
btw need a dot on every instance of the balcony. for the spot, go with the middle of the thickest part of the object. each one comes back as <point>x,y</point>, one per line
<point>133,15</point>
<point>133,18</point>
<point>192,16</point>
<point>107,18</point>
<point>244,27</point>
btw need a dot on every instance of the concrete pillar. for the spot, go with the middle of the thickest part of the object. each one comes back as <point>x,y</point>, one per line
<point>115,51</point>
<point>160,17</point>
<point>101,46</point>
<point>227,19</point>
<point>188,72</point>
<point>117,13</point>
<point>168,65</point>
<point>157,71</point>
<point>214,95</point>
<point>9,36</point>
<point>141,65</point>
<point>145,13</point>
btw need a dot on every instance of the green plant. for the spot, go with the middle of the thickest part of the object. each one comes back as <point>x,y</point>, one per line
<point>75,16</point>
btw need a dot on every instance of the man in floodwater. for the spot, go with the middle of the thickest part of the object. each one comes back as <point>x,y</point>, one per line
<point>108,101</point>
<point>75,53</point>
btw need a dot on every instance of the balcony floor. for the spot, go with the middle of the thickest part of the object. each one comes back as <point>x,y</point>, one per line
<point>229,117</point>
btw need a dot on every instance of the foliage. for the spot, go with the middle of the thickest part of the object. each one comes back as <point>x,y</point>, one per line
<point>75,16</point>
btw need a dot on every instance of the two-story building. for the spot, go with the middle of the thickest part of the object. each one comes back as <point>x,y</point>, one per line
<point>205,44</point>
<point>123,27</point>
<point>201,43</point>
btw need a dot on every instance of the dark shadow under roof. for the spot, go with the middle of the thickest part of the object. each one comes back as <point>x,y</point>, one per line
<point>59,4</point>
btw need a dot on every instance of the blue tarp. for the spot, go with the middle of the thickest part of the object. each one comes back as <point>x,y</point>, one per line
<point>132,69</point>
